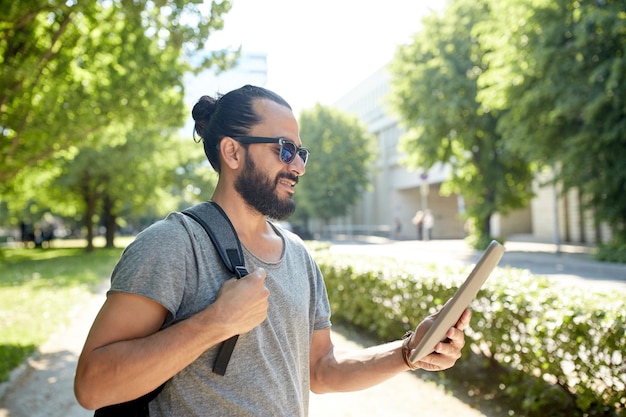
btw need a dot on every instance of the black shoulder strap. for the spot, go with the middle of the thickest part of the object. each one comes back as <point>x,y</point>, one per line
<point>222,233</point>
<point>224,237</point>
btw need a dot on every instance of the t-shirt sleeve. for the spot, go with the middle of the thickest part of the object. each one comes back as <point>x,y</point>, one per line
<point>322,306</point>
<point>155,264</point>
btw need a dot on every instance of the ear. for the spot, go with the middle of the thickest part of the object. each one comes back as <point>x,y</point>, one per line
<point>231,152</point>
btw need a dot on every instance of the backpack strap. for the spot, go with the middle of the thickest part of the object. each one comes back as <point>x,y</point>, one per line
<point>222,233</point>
<point>224,237</point>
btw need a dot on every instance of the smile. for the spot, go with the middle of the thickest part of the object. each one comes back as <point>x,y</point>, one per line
<point>288,181</point>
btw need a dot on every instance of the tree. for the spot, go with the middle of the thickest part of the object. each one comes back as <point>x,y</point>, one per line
<point>434,90</point>
<point>69,69</point>
<point>337,171</point>
<point>557,68</point>
<point>81,79</point>
<point>166,173</point>
<point>151,172</point>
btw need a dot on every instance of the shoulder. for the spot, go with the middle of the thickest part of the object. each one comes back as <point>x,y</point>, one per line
<point>175,223</point>
<point>173,231</point>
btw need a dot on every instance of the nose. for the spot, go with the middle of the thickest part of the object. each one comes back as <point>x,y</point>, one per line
<point>297,166</point>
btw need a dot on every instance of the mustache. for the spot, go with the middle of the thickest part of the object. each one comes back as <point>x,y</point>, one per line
<point>290,177</point>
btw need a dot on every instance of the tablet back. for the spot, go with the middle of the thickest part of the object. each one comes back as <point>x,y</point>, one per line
<point>462,298</point>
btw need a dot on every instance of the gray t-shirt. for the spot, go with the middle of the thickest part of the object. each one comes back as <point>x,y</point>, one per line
<point>174,263</point>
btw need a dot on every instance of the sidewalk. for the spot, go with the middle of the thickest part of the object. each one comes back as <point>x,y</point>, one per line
<point>571,264</point>
<point>43,386</point>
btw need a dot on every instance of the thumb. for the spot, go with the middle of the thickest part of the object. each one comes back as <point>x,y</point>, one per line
<point>258,274</point>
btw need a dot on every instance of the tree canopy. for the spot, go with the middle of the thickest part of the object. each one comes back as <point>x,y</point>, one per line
<point>337,171</point>
<point>434,90</point>
<point>91,95</point>
<point>557,72</point>
<point>70,69</point>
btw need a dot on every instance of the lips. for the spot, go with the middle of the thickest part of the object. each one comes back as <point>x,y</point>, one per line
<point>288,180</point>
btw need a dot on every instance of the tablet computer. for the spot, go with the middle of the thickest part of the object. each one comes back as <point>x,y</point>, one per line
<point>460,301</point>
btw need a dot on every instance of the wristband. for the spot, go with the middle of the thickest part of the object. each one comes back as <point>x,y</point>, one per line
<point>406,350</point>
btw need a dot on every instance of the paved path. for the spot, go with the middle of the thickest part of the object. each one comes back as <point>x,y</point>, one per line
<point>43,386</point>
<point>572,263</point>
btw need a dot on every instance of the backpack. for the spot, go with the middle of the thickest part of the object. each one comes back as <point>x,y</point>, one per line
<point>224,237</point>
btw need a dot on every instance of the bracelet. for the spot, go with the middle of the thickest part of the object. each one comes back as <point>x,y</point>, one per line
<point>406,350</point>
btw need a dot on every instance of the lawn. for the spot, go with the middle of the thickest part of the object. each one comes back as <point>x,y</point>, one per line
<point>39,290</point>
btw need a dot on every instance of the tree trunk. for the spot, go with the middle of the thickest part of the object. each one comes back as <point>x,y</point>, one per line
<point>486,231</point>
<point>90,209</point>
<point>110,220</point>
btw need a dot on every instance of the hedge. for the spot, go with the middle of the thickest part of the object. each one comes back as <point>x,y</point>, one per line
<point>563,346</point>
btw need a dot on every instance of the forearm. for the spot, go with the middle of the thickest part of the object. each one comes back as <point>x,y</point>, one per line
<point>356,370</point>
<point>350,371</point>
<point>125,370</point>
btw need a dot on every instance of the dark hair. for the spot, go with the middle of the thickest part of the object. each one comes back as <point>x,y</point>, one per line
<point>230,114</point>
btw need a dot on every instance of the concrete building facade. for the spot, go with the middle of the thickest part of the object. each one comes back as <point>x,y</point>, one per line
<point>398,193</point>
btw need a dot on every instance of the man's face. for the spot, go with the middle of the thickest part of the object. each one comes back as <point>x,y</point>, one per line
<point>260,191</point>
<point>265,182</point>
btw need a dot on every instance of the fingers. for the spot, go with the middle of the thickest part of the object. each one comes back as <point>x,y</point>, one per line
<point>464,320</point>
<point>255,280</point>
<point>257,277</point>
<point>244,302</point>
<point>447,353</point>
<point>257,290</point>
<point>453,345</point>
<point>455,337</point>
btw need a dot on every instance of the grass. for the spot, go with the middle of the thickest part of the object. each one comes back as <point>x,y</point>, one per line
<point>39,288</point>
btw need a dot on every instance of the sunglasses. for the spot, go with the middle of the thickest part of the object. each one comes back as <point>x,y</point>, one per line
<point>288,149</point>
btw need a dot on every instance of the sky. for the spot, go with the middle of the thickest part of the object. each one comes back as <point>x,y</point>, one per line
<point>318,50</point>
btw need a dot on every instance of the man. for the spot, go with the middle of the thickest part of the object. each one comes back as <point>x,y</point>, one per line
<point>170,307</point>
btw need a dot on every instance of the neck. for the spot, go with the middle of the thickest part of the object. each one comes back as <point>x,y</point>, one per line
<point>246,220</point>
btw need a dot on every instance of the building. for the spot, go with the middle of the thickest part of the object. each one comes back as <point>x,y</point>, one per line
<point>397,193</point>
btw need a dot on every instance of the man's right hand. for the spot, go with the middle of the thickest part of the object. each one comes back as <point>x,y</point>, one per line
<point>242,303</point>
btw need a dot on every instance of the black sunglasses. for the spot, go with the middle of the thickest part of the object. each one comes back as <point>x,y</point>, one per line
<point>288,149</point>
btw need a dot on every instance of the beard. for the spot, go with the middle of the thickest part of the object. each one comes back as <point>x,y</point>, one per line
<point>259,192</point>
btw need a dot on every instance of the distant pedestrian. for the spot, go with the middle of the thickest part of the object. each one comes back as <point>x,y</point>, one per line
<point>398,228</point>
<point>418,220</point>
<point>25,233</point>
<point>427,224</point>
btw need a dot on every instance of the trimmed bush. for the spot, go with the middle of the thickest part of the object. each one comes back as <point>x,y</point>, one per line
<point>614,251</point>
<point>559,347</point>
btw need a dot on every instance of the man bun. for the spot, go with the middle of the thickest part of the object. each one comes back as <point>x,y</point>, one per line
<point>201,113</point>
